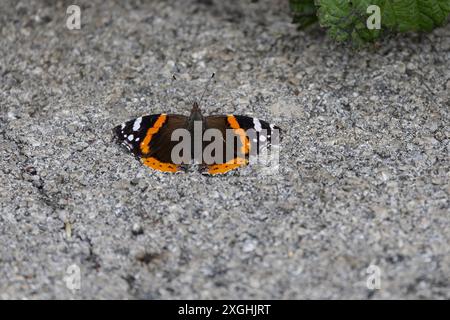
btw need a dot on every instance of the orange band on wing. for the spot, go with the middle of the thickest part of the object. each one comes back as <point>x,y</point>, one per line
<point>145,144</point>
<point>225,167</point>
<point>158,165</point>
<point>245,149</point>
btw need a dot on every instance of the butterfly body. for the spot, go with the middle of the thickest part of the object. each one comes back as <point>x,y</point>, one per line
<point>155,140</point>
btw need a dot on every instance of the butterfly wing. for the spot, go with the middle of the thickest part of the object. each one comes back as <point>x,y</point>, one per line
<point>253,135</point>
<point>149,138</point>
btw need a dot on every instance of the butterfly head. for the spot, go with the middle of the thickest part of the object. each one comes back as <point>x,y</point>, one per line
<point>196,113</point>
<point>195,107</point>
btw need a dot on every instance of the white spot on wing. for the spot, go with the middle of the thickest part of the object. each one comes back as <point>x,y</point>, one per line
<point>272,127</point>
<point>127,144</point>
<point>257,124</point>
<point>130,137</point>
<point>137,124</point>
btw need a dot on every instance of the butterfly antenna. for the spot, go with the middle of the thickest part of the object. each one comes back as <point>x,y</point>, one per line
<point>169,87</point>
<point>174,78</point>
<point>206,88</point>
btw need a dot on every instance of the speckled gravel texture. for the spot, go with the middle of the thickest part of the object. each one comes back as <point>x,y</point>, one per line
<point>364,166</point>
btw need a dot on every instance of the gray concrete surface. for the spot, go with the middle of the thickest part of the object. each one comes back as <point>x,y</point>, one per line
<point>363,177</point>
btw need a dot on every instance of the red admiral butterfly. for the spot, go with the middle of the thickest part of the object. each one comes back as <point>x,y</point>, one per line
<point>151,139</point>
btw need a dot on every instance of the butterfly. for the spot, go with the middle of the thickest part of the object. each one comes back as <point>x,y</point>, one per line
<point>155,140</point>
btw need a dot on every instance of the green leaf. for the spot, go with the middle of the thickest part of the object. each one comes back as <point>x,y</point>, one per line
<point>304,12</point>
<point>346,20</point>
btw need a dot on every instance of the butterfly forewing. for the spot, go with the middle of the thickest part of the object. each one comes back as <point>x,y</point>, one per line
<point>150,136</point>
<point>249,137</point>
